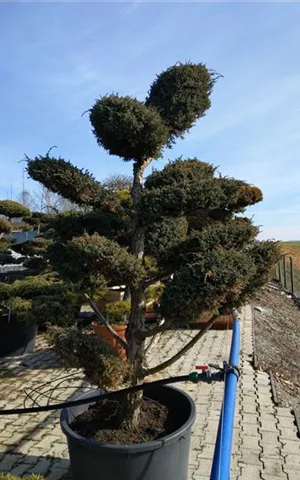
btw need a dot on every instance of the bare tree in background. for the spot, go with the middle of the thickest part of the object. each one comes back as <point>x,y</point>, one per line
<point>50,202</point>
<point>118,182</point>
<point>26,198</point>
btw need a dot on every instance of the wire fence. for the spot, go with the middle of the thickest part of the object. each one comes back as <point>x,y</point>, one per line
<point>288,275</point>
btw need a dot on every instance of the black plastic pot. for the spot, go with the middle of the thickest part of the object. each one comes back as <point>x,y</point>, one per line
<point>163,459</point>
<point>16,338</point>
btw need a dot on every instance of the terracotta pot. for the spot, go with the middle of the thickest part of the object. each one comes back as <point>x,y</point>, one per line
<point>101,331</point>
<point>224,322</point>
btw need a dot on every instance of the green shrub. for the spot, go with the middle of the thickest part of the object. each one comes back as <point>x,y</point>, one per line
<point>76,185</point>
<point>31,287</point>
<point>100,363</point>
<point>4,243</point>
<point>154,292</point>
<point>5,291</point>
<point>5,226</point>
<point>118,312</point>
<point>43,310</point>
<point>21,309</point>
<point>128,128</point>
<point>37,246</point>
<point>12,209</point>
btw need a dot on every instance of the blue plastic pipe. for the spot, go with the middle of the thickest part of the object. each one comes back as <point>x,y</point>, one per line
<point>222,454</point>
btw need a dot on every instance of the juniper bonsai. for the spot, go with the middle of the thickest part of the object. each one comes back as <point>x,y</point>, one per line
<point>12,209</point>
<point>38,296</point>
<point>182,226</point>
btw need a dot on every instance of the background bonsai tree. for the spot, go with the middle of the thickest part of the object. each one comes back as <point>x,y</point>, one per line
<point>33,294</point>
<point>12,209</point>
<point>182,226</point>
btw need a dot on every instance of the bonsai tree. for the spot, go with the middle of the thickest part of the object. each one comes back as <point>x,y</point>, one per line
<point>41,300</point>
<point>12,209</point>
<point>182,226</point>
<point>35,295</point>
<point>9,209</point>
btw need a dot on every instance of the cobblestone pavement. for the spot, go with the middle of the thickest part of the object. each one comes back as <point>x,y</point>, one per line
<point>265,445</point>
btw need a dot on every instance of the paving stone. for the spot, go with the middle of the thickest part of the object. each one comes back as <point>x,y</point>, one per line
<point>288,433</point>
<point>273,467</point>
<point>249,400</point>
<point>207,452</point>
<point>268,426</point>
<point>20,469</point>
<point>265,476</point>
<point>271,450</point>
<point>8,462</point>
<point>250,472</point>
<point>249,418</point>
<point>197,442</point>
<point>283,412</point>
<point>292,461</point>
<point>41,467</point>
<point>251,442</point>
<point>286,422</point>
<point>292,474</point>
<point>263,391</point>
<point>204,468</point>
<point>249,408</point>
<point>249,458</point>
<point>269,438</point>
<point>28,447</point>
<point>291,446</point>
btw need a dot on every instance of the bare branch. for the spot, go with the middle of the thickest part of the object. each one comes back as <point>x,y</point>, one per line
<point>51,148</point>
<point>105,322</point>
<point>186,348</point>
<point>83,113</point>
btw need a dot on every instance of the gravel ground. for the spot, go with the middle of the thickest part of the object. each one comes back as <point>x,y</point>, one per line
<point>277,342</point>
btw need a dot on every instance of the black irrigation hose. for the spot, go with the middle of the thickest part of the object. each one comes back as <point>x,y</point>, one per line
<point>59,379</point>
<point>102,396</point>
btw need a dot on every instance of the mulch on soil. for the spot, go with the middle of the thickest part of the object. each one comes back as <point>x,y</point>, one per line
<point>277,343</point>
<point>104,423</point>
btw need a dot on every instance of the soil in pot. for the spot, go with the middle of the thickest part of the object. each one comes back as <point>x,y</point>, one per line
<point>104,423</point>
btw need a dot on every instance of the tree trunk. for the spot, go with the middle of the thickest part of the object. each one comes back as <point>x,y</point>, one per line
<point>135,352</point>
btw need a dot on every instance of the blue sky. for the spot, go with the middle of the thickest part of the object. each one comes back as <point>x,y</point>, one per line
<point>57,58</point>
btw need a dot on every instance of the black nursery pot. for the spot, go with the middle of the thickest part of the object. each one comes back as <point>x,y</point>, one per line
<point>163,459</point>
<point>16,338</point>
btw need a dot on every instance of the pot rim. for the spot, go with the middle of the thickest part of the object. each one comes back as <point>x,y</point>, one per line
<point>114,325</point>
<point>137,447</point>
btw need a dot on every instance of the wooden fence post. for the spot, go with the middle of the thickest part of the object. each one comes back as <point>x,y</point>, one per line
<point>284,271</point>
<point>292,274</point>
<point>279,272</point>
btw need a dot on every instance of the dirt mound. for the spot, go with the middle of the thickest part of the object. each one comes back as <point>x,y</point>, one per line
<point>277,342</point>
<point>292,250</point>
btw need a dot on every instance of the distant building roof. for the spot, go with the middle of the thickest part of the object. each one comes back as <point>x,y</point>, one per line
<point>20,237</point>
